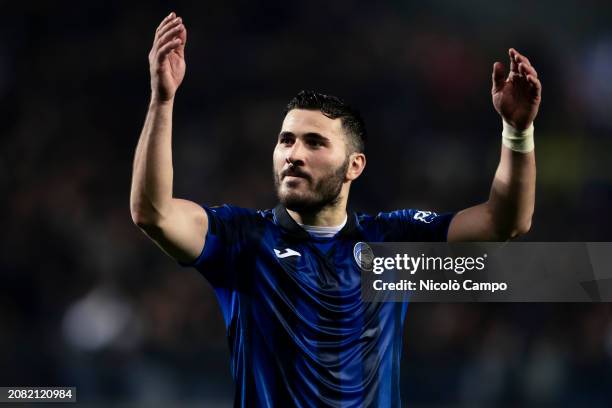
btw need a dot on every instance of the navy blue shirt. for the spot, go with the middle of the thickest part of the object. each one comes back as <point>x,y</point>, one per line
<point>298,331</point>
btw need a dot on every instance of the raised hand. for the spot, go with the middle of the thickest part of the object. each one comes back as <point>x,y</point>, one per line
<point>516,97</point>
<point>167,58</point>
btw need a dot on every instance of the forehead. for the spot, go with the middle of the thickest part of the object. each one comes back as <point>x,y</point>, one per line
<point>300,121</point>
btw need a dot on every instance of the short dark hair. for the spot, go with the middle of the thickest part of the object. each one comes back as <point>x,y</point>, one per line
<point>334,107</point>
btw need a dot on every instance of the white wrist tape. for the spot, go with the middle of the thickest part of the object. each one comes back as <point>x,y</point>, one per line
<point>517,140</point>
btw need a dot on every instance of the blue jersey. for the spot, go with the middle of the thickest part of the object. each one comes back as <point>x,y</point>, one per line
<point>298,331</point>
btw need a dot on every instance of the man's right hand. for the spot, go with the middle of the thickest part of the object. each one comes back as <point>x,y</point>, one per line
<point>178,226</point>
<point>167,58</point>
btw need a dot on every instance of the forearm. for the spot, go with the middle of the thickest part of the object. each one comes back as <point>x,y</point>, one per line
<point>512,197</point>
<point>508,211</point>
<point>151,192</point>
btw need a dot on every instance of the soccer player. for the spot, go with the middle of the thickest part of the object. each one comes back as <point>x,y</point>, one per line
<point>286,279</point>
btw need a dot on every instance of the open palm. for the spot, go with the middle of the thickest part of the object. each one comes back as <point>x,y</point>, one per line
<point>167,58</point>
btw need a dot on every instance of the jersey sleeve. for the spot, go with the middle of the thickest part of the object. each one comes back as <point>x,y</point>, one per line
<point>226,238</point>
<point>415,225</point>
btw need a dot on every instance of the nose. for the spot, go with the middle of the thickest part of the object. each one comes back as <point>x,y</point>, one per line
<point>295,154</point>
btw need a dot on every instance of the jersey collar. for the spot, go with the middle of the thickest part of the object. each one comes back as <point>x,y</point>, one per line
<point>292,228</point>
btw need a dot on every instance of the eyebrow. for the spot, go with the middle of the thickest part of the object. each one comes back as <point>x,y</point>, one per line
<point>309,135</point>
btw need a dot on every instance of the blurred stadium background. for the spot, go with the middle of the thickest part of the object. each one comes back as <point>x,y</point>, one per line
<point>87,301</point>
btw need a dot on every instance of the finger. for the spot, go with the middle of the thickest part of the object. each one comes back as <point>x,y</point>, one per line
<point>166,24</point>
<point>513,64</point>
<point>167,48</point>
<point>170,35</point>
<point>526,69</point>
<point>169,25</point>
<point>535,84</point>
<point>169,17</point>
<point>183,37</point>
<point>521,58</point>
<point>498,77</point>
<point>172,24</point>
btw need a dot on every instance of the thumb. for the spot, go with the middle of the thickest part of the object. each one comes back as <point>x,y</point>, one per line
<point>499,77</point>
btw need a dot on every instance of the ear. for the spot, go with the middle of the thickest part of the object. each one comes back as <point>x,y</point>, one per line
<point>357,162</point>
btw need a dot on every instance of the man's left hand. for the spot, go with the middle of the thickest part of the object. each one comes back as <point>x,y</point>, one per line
<point>516,97</point>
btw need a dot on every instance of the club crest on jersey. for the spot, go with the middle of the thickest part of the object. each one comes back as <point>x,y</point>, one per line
<point>363,255</point>
<point>425,216</point>
<point>286,253</point>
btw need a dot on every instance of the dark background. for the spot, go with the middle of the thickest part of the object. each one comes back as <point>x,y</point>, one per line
<point>86,300</point>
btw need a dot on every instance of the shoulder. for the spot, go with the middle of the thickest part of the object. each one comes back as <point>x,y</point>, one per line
<point>407,225</point>
<point>232,211</point>
<point>231,216</point>
<point>233,228</point>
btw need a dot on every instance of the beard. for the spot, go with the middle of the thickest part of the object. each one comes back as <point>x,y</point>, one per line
<point>325,191</point>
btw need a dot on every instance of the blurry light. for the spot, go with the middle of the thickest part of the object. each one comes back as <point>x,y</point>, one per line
<point>97,321</point>
<point>594,78</point>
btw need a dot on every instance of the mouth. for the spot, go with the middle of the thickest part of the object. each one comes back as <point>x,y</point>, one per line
<point>293,175</point>
<point>293,179</point>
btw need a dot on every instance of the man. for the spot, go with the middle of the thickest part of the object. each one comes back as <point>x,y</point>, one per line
<point>286,279</point>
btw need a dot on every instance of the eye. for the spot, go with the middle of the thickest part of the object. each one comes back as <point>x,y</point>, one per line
<point>285,139</point>
<point>315,143</point>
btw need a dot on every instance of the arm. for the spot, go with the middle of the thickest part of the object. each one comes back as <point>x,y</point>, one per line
<point>508,211</point>
<point>177,226</point>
